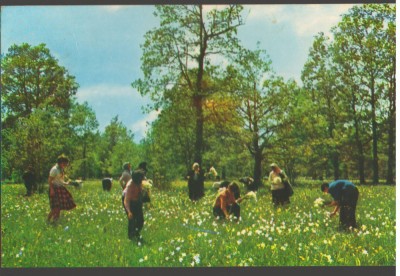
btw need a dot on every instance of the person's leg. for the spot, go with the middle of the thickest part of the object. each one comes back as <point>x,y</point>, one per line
<point>131,228</point>
<point>352,208</point>
<point>347,209</point>
<point>51,215</point>
<point>139,220</point>
<point>217,211</point>
<point>235,210</point>
<point>57,212</point>
<point>136,221</point>
<point>29,188</point>
<point>281,197</point>
<point>274,198</point>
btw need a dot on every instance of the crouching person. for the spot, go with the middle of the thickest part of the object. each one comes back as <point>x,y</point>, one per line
<point>134,205</point>
<point>226,203</point>
<point>345,195</point>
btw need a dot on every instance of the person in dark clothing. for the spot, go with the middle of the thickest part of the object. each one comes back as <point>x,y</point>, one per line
<point>196,182</point>
<point>134,206</point>
<point>226,203</point>
<point>29,180</point>
<point>107,184</point>
<point>345,195</point>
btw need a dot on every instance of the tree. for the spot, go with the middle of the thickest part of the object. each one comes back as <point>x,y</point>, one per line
<point>116,147</point>
<point>37,95</point>
<point>31,79</point>
<point>319,79</point>
<point>84,124</point>
<point>387,12</point>
<point>182,49</point>
<point>361,41</point>
<point>261,103</point>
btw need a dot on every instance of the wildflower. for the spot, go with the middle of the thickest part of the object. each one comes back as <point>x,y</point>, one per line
<point>196,258</point>
<point>365,252</point>
<point>250,195</point>
<point>141,260</point>
<point>239,242</point>
<point>329,258</point>
<point>318,202</point>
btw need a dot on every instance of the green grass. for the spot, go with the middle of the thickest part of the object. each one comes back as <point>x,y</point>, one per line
<point>179,233</point>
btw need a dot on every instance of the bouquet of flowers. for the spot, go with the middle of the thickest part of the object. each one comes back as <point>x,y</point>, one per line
<point>250,195</point>
<point>147,184</point>
<point>319,202</point>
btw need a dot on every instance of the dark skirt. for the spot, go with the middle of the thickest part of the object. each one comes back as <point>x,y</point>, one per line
<point>280,197</point>
<point>62,199</point>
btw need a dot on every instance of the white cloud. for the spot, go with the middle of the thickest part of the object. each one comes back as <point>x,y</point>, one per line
<point>140,127</point>
<point>113,8</point>
<point>306,19</point>
<point>103,91</point>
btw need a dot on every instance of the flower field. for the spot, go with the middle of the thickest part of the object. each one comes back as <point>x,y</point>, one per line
<point>179,233</point>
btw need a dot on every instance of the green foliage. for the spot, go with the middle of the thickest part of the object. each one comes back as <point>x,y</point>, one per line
<point>180,233</point>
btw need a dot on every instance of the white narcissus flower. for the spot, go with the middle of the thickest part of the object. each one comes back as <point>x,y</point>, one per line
<point>146,184</point>
<point>250,195</point>
<point>318,202</point>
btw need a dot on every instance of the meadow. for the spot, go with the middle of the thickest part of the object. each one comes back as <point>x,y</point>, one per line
<point>180,233</point>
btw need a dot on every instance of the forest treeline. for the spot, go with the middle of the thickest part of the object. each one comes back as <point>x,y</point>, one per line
<point>219,104</point>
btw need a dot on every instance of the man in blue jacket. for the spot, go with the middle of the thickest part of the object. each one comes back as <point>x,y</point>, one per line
<point>345,195</point>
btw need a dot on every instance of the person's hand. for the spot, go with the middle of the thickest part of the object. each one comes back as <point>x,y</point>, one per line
<point>130,215</point>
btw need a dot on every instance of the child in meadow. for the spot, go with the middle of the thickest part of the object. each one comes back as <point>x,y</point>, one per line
<point>226,203</point>
<point>134,206</point>
<point>60,198</point>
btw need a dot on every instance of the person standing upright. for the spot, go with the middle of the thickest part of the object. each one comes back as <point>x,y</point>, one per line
<point>276,178</point>
<point>60,197</point>
<point>29,180</point>
<point>134,206</point>
<point>196,182</point>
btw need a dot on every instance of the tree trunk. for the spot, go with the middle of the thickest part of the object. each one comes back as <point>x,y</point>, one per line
<point>334,155</point>
<point>391,151</point>
<point>360,149</point>
<point>335,161</point>
<point>375,166</point>
<point>257,175</point>
<point>392,130</point>
<point>199,129</point>
<point>84,161</point>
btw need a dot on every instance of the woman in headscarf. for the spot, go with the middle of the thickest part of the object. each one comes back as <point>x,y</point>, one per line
<point>196,182</point>
<point>60,198</point>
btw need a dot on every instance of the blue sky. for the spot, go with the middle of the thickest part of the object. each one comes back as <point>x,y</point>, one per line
<point>100,46</point>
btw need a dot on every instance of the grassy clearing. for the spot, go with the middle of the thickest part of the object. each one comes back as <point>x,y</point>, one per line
<point>179,233</point>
